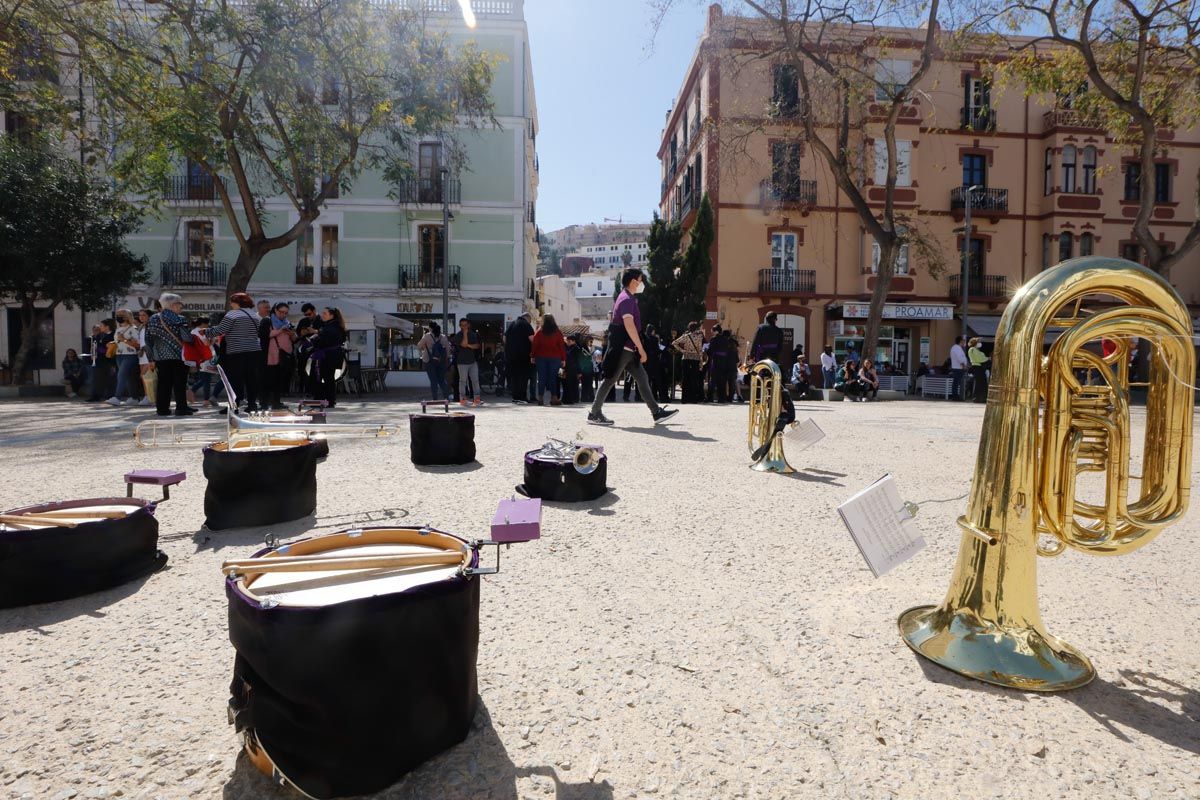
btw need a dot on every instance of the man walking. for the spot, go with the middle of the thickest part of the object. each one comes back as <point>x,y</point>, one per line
<point>626,351</point>
<point>958,365</point>
<point>518,347</point>
<point>467,349</point>
<point>768,341</point>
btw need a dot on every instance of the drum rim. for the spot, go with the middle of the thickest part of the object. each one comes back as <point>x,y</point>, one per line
<point>62,505</point>
<point>450,415</point>
<point>237,582</point>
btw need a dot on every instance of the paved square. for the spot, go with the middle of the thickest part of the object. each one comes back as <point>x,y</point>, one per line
<point>702,631</point>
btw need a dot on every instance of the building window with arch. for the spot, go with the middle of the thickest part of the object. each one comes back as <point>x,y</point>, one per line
<point>1087,244</point>
<point>1089,170</point>
<point>1068,169</point>
<point>1048,174</point>
<point>1065,245</point>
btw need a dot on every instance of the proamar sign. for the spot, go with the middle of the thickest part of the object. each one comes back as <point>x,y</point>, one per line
<point>899,311</point>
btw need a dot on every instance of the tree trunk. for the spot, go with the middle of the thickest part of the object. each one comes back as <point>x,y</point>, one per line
<point>243,269</point>
<point>883,283</point>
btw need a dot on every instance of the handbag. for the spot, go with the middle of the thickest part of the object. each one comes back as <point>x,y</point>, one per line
<point>110,350</point>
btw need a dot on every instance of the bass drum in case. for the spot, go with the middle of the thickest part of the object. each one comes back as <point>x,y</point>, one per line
<point>556,479</point>
<point>114,541</point>
<point>346,680</point>
<point>442,439</point>
<point>261,479</point>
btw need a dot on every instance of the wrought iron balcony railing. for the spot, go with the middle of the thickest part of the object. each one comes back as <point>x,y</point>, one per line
<point>979,119</point>
<point>981,199</point>
<point>304,275</point>
<point>981,287</point>
<point>189,188</point>
<point>1067,118</point>
<point>796,192</point>
<point>329,274</point>
<point>422,278</point>
<point>787,281</point>
<point>428,191</point>
<point>194,273</point>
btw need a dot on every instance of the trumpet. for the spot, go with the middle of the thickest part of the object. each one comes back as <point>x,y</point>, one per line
<point>585,460</point>
<point>1043,427</point>
<point>163,433</point>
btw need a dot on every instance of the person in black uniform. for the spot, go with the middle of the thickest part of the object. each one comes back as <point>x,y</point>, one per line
<point>768,341</point>
<point>570,368</point>
<point>329,353</point>
<point>722,358</point>
<point>517,347</point>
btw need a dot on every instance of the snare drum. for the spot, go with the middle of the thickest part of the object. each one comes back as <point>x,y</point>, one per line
<point>346,680</point>
<point>553,478</point>
<point>261,479</point>
<point>114,540</point>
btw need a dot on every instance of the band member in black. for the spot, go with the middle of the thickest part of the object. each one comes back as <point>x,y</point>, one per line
<point>768,341</point>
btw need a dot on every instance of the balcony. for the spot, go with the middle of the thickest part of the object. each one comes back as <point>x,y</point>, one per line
<point>979,119</point>
<point>985,288</point>
<point>189,189</point>
<point>787,281</point>
<point>428,191</point>
<point>791,193</point>
<point>685,205</point>
<point>304,276</point>
<point>1068,118</point>
<point>194,273</point>
<point>531,213</point>
<point>329,274</point>
<point>425,279</point>
<point>985,202</point>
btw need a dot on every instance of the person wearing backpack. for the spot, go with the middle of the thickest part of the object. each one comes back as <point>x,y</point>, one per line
<point>435,355</point>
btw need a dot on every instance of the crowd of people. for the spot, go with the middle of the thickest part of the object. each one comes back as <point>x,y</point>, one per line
<point>156,357</point>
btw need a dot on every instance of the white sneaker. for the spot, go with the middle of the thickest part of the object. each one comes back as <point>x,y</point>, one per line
<point>845,399</point>
<point>112,401</point>
<point>145,401</point>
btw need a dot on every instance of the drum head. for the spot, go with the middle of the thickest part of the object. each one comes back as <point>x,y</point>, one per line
<point>78,512</point>
<point>329,587</point>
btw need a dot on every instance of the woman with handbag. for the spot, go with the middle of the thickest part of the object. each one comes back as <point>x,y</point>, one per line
<point>242,350</point>
<point>145,365</point>
<point>166,334</point>
<point>328,356</point>
<point>125,347</point>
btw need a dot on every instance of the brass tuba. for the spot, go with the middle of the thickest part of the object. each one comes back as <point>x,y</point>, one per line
<point>766,404</point>
<point>1043,428</point>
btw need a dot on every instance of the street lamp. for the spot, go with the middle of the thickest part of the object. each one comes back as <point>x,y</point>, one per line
<point>445,175</point>
<point>968,194</point>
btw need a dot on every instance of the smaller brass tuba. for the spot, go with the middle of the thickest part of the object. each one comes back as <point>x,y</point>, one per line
<point>766,404</point>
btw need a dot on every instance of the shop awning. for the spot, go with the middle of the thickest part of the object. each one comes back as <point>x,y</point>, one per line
<point>983,325</point>
<point>358,317</point>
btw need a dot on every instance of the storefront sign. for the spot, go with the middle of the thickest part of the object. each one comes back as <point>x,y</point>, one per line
<point>414,308</point>
<point>899,311</point>
<point>925,349</point>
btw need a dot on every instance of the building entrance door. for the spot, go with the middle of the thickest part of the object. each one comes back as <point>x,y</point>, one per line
<point>793,327</point>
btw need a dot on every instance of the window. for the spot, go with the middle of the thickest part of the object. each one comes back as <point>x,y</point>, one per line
<point>1133,181</point>
<point>200,242</point>
<point>785,95</point>
<point>783,251</point>
<point>19,127</point>
<point>1131,251</point>
<point>903,163</point>
<point>332,188</point>
<point>974,170</point>
<point>1065,244</point>
<point>684,127</point>
<point>977,113</point>
<point>1089,170</point>
<point>1068,169</point>
<point>429,172</point>
<point>1087,244</point>
<point>1162,183</point>
<point>1048,172</point>
<point>432,247</point>
<point>785,170</point>
<point>891,76</point>
<point>199,182</point>
<point>331,91</point>
<point>697,184</point>
<point>901,260</point>
<point>1046,250</point>
<point>329,254</point>
<point>304,256</point>
<point>975,265</point>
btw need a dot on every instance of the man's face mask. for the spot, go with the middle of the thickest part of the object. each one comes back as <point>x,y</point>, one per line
<point>641,287</point>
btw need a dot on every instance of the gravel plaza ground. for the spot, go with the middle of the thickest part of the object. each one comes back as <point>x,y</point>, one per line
<point>702,631</point>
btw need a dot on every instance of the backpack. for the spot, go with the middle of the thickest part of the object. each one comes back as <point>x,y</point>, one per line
<point>438,351</point>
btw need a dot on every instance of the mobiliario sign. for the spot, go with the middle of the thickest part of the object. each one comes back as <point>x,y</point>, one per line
<point>899,311</point>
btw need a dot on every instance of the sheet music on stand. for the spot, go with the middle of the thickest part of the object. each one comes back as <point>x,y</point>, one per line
<point>803,436</point>
<point>882,526</point>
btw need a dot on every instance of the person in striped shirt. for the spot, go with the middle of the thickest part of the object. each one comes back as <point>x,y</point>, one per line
<point>241,348</point>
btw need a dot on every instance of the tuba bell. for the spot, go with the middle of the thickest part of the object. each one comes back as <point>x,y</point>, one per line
<point>766,404</point>
<point>1043,428</point>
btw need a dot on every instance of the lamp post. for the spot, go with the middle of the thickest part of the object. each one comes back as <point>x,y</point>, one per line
<point>968,194</point>
<point>445,173</point>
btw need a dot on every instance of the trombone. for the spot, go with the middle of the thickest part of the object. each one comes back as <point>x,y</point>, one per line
<point>163,433</point>
<point>585,460</point>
